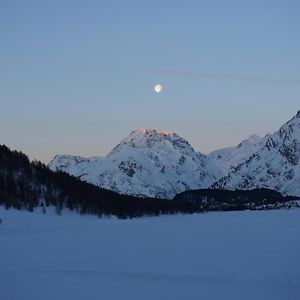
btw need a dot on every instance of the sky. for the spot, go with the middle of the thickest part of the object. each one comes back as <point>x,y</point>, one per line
<point>78,76</point>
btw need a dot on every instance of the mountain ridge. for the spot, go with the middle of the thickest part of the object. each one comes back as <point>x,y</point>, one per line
<point>230,157</point>
<point>147,163</point>
<point>275,166</point>
<point>161,164</point>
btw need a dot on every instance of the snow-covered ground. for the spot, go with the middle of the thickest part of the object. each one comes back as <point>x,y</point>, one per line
<point>232,255</point>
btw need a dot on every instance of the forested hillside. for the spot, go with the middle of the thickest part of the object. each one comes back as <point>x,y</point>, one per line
<point>27,185</point>
<point>222,200</point>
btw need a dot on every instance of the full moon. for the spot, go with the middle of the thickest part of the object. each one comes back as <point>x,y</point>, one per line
<point>158,88</point>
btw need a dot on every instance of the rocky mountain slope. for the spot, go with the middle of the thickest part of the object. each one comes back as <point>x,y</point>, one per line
<point>147,162</point>
<point>229,158</point>
<point>276,165</point>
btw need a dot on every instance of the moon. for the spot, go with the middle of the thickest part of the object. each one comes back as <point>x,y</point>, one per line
<point>157,88</point>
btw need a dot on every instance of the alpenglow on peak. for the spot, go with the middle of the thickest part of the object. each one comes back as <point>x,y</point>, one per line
<point>148,163</point>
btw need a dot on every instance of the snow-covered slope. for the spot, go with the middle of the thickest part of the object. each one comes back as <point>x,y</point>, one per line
<point>147,162</point>
<point>229,158</point>
<point>75,165</point>
<point>275,166</point>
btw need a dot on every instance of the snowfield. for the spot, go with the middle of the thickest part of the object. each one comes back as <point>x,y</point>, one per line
<point>232,255</point>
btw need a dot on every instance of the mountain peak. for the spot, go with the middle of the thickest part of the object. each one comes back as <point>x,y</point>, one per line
<point>148,131</point>
<point>296,118</point>
<point>164,133</point>
<point>276,165</point>
<point>253,139</point>
<point>146,136</point>
<point>150,163</point>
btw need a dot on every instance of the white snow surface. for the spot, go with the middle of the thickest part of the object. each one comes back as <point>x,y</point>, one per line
<point>232,255</point>
<point>229,158</point>
<point>276,165</point>
<point>147,163</point>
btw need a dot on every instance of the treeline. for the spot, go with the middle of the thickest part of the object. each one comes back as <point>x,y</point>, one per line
<point>225,200</point>
<point>28,185</point>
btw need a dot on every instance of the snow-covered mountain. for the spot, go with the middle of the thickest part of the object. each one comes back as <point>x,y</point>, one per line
<point>75,165</point>
<point>162,164</point>
<point>147,162</point>
<point>229,158</point>
<point>276,165</point>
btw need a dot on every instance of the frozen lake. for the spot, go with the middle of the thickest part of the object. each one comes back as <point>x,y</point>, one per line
<point>232,255</point>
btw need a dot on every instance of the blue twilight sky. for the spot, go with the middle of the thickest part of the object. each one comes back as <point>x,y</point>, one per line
<point>78,76</point>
